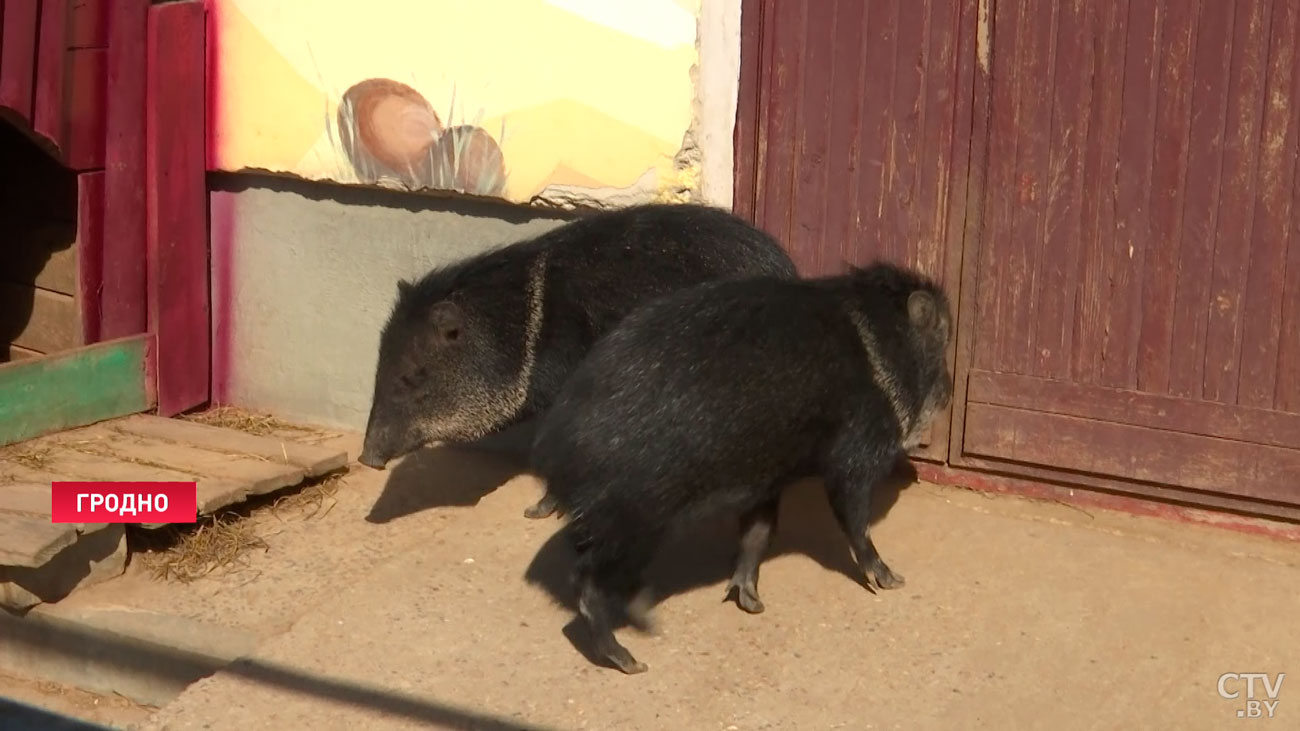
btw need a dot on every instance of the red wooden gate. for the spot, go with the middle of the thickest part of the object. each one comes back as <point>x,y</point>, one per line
<point>1109,189</point>
<point>1137,300</point>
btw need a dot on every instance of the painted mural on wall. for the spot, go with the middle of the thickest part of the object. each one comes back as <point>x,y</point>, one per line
<point>517,99</point>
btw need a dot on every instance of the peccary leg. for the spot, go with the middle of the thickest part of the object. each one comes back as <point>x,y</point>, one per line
<point>608,573</point>
<point>848,488</point>
<point>756,527</point>
<point>542,508</point>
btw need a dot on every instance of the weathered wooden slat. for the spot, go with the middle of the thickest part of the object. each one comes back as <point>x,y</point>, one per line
<point>40,319</point>
<point>88,24</point>
<point>84,105</point>
<point>1157,411</point>
<point>810,136</point>
<point>31,541</point>
<point>843,160</point>
<point>1200,213</point>
<point>1133,452</point>
<point>312,459</point>
<point>1101,154</point>
<point>258,475</point>
<point>778,132</point>
<point>47,105</point>
<point>1169,188</point>
<point>124,285</point>
<point>1132,192</point>
<point>18,34</point>
<point>71,389</point>
<point>1053,326</point>
<point>176,201</point>
<point>1261,317</point>
<point>90,250</point>
<point>1240,190</point>
<point>875,159</point>
<point>72,465</point>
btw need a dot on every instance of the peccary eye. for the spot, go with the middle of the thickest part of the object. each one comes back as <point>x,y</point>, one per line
<point>452,334</point>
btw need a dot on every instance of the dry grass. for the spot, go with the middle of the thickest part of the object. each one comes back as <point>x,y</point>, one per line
<point>251,422</point>
<point>223,542</point>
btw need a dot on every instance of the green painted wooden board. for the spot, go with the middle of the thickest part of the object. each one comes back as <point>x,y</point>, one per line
<point>67,390</point>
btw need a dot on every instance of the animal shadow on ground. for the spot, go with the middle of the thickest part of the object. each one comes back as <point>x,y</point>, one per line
<point>704,553</point>
<point>449,475</point>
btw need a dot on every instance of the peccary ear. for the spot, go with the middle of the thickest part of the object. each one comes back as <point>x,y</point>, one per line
<point>445,317</point>
<point>404,288</point>
<point>922,310</point>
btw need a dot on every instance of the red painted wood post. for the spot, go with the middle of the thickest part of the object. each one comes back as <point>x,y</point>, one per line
<point>47,103</point>
<point>18,56</point>
<point>175,190</point>
<point>122,300</point>
<point>90,251</point>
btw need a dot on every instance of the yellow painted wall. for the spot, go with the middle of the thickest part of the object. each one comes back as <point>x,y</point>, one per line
<point>580,94</point>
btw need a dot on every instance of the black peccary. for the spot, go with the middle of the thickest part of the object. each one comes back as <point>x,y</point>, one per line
<point>483,344</point>
<point>717,397</point>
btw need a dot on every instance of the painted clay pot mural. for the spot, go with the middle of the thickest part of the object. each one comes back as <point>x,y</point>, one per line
<point>389,130</point>
<point>468,160</point>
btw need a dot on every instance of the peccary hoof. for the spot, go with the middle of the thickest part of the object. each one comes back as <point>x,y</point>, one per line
<point>746,598</point>
<point>887,579</point>
<point>542,508</point>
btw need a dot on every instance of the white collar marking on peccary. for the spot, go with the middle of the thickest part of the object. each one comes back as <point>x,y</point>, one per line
<point>882,374</point>
<point>536,297</point>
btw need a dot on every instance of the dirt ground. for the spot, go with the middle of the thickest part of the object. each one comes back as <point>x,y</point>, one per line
<point>422,598</point>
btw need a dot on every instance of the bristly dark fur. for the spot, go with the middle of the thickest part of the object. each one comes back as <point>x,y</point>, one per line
<point>716,397</point>
<point>473,348</point>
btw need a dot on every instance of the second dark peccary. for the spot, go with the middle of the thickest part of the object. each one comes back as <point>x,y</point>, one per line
<point>717,397</point>
<point>478,346</point>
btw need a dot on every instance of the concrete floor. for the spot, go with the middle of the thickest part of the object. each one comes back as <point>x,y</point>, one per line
<point>430,601</point>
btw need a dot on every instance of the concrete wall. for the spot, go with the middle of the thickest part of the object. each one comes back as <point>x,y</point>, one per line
<point>304,276</point>
<point>304,273</point>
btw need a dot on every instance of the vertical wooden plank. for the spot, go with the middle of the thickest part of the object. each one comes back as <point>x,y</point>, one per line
<point>812,170</point>
<point>1233,236</point>
<point>1169,184</point>
<point>1004,124</point>
<point>84,108</point>
<point>123,299</point>
<point>90,243</point>
<point>745,133</point>
<point>844,151</point>
<point>1200,215</point>
<point>1100,166</point>
<point>88,23</point>
<point>903,209</point>
<point>1037,49</point>
<point>1072,96</point>
<point>1287,391</point>
<point>938,145</point>
<point>781,126</point>
<point>877,100</point>
<point>176,203</point>
<point>47,112</point>
<point>1266,279</point>
<point>17,55</point>
<point>1127,249</point>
